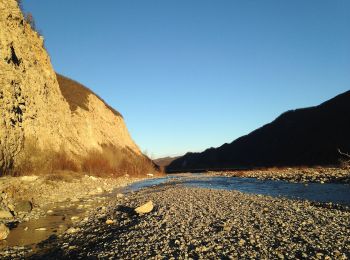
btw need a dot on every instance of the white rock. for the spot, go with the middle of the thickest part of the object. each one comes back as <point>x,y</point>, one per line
<point>72,230</point>
<point>109,222</point>
<point>29,178</point>
<point>40,229</point>
<point>145,208</point>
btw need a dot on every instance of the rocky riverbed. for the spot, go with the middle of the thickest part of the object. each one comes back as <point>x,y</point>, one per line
<point>320,175</point>
<point>32,207</point>
<point>203,223</point>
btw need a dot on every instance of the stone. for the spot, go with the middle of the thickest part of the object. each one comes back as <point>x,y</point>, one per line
<point>4,214</point>
<point>23,206</point>
<point>241,242</point>
<point>29,178</point>
<point>72,230</point>
<point>4,231</point>
<point>11,207</point>
<point>109,222</point>
<point>145,208</point>
<point>120,195</point>
<point>40,229</point>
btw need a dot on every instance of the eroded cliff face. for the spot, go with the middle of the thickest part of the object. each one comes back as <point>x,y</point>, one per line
<point>93,119</point>
<point>32,106</point>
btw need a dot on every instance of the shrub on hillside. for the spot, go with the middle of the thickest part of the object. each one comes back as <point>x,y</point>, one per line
<point>38,161</point>
<point>109,161</point>
<point>117,162</point>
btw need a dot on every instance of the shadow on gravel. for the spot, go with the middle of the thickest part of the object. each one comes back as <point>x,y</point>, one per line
<point>52,248</point>
<point>127,210</point>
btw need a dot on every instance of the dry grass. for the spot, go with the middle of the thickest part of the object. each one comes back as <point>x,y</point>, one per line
<point>117,162</point>
<point>37,161</point>
<point>77,95</point>
<point>65,176</point>
<point>58,165</point>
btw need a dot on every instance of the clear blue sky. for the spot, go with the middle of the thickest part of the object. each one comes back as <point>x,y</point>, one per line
<point>191,74</point>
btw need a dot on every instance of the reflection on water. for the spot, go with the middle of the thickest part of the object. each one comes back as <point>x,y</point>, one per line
<point>58,221</point>
<point>327,192</point>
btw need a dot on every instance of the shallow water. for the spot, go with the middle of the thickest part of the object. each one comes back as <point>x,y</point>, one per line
<point>37,230</point>
<point>328,192</point>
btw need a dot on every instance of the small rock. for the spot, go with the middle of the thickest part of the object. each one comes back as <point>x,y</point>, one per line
<point>120,195</point>
<point>49,211</point>
<point>109,222</point>
<point>74,218</point>
<point>145,208</point>
<point>4,231</point>
<point>4,214</point>
<point>23,206</point>
<point>72,230</point>
<point>29,178</point>
<point>40,229</point>
<point>241,242</point>
<point>25,229</point>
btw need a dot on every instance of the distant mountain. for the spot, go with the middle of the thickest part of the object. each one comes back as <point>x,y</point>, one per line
<point>165,161</point>
<point>307,136</point>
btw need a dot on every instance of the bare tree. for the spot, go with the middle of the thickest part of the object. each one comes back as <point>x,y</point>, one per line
<point>345,161</point>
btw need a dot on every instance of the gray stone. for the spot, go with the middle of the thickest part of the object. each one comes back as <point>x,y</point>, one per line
<point>23,206</point>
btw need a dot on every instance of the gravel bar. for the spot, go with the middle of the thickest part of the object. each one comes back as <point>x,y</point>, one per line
<point>207,224</point>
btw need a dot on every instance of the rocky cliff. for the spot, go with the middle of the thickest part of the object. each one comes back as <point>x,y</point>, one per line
<point>302,137</point>
<point>37,109</point>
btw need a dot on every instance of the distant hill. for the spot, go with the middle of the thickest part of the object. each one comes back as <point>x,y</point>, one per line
<point>307,136</point>
<point>165,161</point>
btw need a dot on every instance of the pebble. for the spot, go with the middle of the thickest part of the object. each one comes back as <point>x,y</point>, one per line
<point>41,229</point>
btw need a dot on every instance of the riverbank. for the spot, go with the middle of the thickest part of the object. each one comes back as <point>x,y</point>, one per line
<point>304,175</point>
<point>204,223</point>
<point>34,207</point>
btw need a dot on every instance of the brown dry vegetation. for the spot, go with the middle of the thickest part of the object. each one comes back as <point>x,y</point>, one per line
<point>109,162</point>
<point>77,94</point>
<point>117,162</point>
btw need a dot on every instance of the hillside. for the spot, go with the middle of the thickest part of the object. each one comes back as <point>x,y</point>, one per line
<point>50,121</point>
<point>307,136</point>
<point>165,161</point>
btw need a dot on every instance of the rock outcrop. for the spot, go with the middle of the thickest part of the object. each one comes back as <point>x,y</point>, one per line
<point>36,110</point>
<point>302,137</point>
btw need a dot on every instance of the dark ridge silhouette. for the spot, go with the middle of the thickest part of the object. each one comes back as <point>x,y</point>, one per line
<point>301,137</point>
<point>77,94</point>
